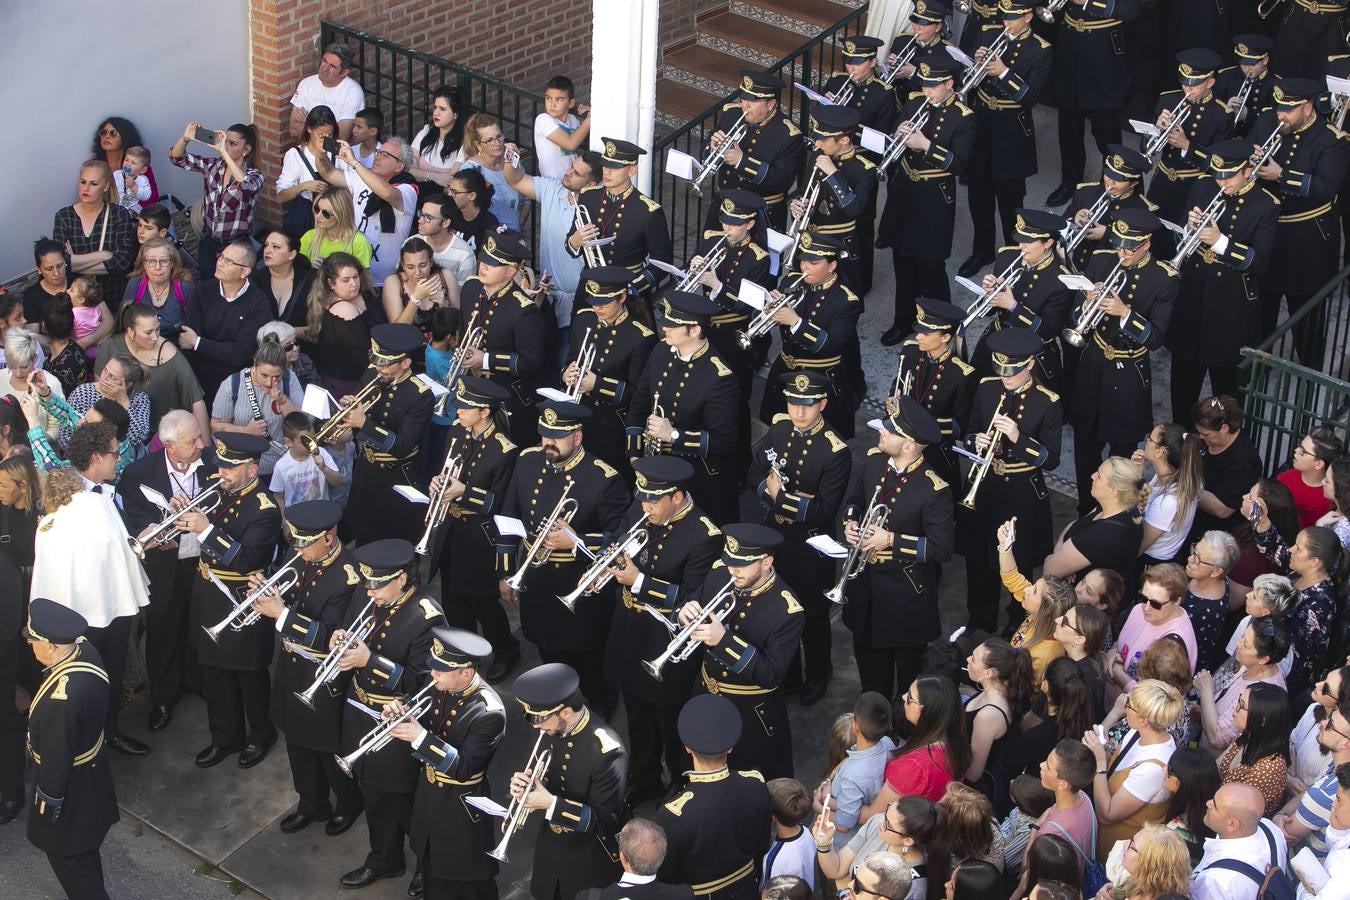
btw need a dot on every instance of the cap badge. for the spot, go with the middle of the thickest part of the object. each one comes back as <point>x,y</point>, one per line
<point>641,479</point>
<point>806,241</point>
<point>610,149</point>
<point>550,417</point>
<point>850,47</point>
<point>491,245</point>
<point>801,382</point>
<point>733,545</point>
<point>728,206</point>
<point>437,648</point>
<point>924,69</point>
<point>593,287</point>
<point>747,83</point>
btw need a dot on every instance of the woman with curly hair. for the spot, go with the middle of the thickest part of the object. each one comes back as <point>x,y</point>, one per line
<point>113,137</point>
<point>1155,863</point>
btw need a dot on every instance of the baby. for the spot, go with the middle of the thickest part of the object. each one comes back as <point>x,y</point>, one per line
<point>132,186</point>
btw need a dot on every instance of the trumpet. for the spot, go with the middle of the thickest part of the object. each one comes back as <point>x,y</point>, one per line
<point>1075,233</point>
<point>977,74</point>
<point>682,645</point>
<point>205,503</point>
<point>1092,315</point>
<point>790,294</point>
<point>1180,113</point>
<point>903,58</point>
<point>905,129</point>
<point>473,338</point>
<point>1340,104</point>
<point>328,669</point>
<point>904,381</point>
<point>1266,7</point>
<point>337,422</point>
<point>379,737</point>
<point>717,156</point>
<point>855,561</point>
<point>584,362</point>
<point>1047,13</point>
<point>516,813</point>
<point>592,253</point>
<point>1269,147</point>
<point>1190,241</point>
<point>536,554</point>
<point>981,468</point>
<point>602,568</point>
<point>282,581</point>
<point>1006,281</point>
<point>654,446</point>
<point>439,507</point>
<point>1243,95</point>
<point>800,223</point>
<point>711,261</point>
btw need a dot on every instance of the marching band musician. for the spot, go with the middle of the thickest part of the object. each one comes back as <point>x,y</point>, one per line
<point>622,346</point>
<point>619,210</point>
<point>848,182</point>
<point>1112,403</point>
<point>1026,422</point>
<point>1183,159</point>
<point>686,404</point>
<point>941,381</point>
<point>1308,34</point>
<point>510,351</point>
<point>559,464</point>
<point>1218,304</point>
<point>1038,301</point>
<point>768,158</point>
<point>455,743</point>
<point>237,539</point>
<point>1251,55</point>
<point>1305,174</point>
<point>388,436</point>
<point>928,25</point>
<point>326,582</point>
<point>74,801</point>
<point>892,606</point>
<point>978,21</point>
<point>748,653</point>
<point>682,544</point>
<point>817,332</point>
<point>468,570</point>
<point>391,664</point>
<point>1123,171</point>
<point>800,469</point>
<point>718,827</point>
<point>919,218</point>
<point>582,792</point>
<point>1004,153</point>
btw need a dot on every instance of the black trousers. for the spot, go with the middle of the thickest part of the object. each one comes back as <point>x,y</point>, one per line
<point>169,658</point>
<point>13,725</point>
<point>434,888</point>
<point>983,588</point>
<point>916,278</point>
<point>887,670</point>
<point>477,613</point>
<point>600,695</point>
<point>1087,456</point>
<point>1072,156</point>
<point>652,736</point>
<point>1310,335</point>
<point>864,234</point>
<point>112,642</point>
<point>810,575</point>
<point>388,817</point>
<point>236,706</point>
<point>316,776</point>
<point>983,194</point>
<point>1188,380</point>
<point>81,875</point>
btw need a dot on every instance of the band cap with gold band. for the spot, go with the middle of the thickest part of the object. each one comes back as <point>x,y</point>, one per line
<point>54,623</point>
<point>814,245</point>
<point>1125,163</point>
<point>381,562</point>
<point>619,154</point>
<point>1014,9</point>
<point>604,284</point>
<point>455,648</point>
<point>1197,65</point>
<point>1290,92</point>
<point>504,248</point>
<point>1227,158</point>
<point>392,341</point>
<point>310,520</point>
<point>804,388</point>
<point>756,85</point>
<point>1252,48</point>
<point>657,476</point>
<point>709,724</point>
<point>861,48</point>
<point>684,308</point>
<point>747,542</point>
<point>934,68</point>
<point>937,315</point>
<point>235,448</point>
<point>475,392</point>
<point>929,12</point>
<point>1131,228</point>
<point>1013,349</point>
<point>559,418</point>
<point>911,421</point>
<point>1037,225</point>
<point>737,206</point>
<point>829,121</point>
<point>545,690</point>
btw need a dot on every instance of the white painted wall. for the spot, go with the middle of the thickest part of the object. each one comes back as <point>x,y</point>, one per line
<point>623,82</point>
<point>69,63</point>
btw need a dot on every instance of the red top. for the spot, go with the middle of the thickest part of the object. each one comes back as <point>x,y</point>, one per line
<point>1307,498</point>
<point>924,772</point>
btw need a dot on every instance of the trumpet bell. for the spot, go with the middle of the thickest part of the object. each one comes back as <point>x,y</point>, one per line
<point>1045,14</point>
<point>305,697</point>
<point>137,548</point>
<point>348,762</point>
<point>835,594</point>
<point>653,669</point>
<point>1071,337</point>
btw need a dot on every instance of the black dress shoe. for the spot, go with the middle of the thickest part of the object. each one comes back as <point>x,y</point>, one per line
<point>359,878</point>
<point>339,823</point>
<point>813,691</point>
<point>502,668</point>
<point>297,820</point>
<point>124,744</point>
<point>255,753</point>
<point>160,717</point>
<point>1060,195</point>
<point>892,336</point>
<point>214,756</point>
<point>974,263</point>
<point>415,886</point>
<point>9,809</point>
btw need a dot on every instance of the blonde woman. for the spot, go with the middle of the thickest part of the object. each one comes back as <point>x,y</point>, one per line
<point>1110,537</point>
<point>98,234</point>
<point>485,150</point>
<point>1173,492</point>
<point>1045,600</point>
<point>338,323</point>
<point>334,229</point>
<point>1155,862</point>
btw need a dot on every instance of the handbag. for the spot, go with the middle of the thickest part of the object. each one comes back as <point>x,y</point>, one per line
<point>297,216</point>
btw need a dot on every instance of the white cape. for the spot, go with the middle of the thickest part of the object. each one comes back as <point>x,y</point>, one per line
<point>83,561</point>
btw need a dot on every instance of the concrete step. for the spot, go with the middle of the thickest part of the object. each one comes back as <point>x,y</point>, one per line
<point>756,41</point>
<point>805,17</point>
<point>702,68</point>
<point>678,103</point>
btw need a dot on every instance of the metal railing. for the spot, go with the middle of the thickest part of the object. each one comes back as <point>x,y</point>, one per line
<point>810,64</point>
<point>400,82</point>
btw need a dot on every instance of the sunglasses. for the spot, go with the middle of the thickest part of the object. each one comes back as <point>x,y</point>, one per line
<point>1156,604</point>
<point>323,212</point>
<point>1331,726</point>
<point>859,889</point>
<point>109,132</point>
<point>1064,620</point>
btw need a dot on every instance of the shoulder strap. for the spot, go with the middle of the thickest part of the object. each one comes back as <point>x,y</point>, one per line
<point>178,292</point>
<point>305,160</point>
<point>1115,763</point>
<point>1090,856</point>
<point>1242,868</point>
<point>1270,842</point>
<point>234,391</point>
<point>141,287</point>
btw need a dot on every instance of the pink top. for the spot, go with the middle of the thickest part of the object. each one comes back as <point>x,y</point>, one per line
<point>1138,635</point>
<point>86,320</point>
<point>924,772</point>
<point>1079,821</point>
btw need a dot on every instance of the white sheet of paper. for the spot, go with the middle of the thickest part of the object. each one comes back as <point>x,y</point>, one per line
<point>155,497</point>
<point>778,241</point>
<point>1309,870</point>
<point>962,451</point>
<point>1147,128</point>
<point>552,394</point>
<point>960,57</point>
<point>876,141</point>
<point>437,389</point>
<point>956,635</point>
<point>681,164</point>
<point>1338,85</point>
<point>1076,282</point>
<point>353,702</point>
<point>1173,227</point>
<point>814,95</point>
<point>828,546</point>
<point>411,494</point>
<point>487,805</point>
<point>667,268</point>
<point>968,284</point>
<point>318,402</point>
<point>510,526</point>
<point>753,295</point>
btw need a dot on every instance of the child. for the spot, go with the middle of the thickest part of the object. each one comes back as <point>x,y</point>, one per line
<point>793,851</point>
<point>1031,801</point>
<point>857,779</point>
<point>93,321</point>
<point>300,475</point>
<point>439,353</point>
<point>133,187</point>
<point>366,128</point>
<point>342,449</point>
<point>1068,769</point>
<point>152,222</point>
<point>557,132</point>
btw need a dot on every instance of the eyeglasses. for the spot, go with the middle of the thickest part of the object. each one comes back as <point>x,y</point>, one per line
<point>459,193</point>
<point>910,702</point>
<point>495,139</point>
<point>1195,555</point>
<point>323,212</point>
<point>1324,688</point>
<point>157,262</point>
<point>245,266</point>
<point>386,154</point>
<point>109,132</point>
<point>1156,604</point>
<point>428,217</point>
<point>1330,724</point>
<point>1064,620</point>
<point>1129,706</point>
<point>859,889</point>
<point>887,826</point>
<point>1299,451</point>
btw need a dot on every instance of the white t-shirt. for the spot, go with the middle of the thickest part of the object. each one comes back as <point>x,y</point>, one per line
<point>1310,760</point>
<point>553,160</point>
<point>298,480</point>
<point>293,170</point>
<point>1159,512</point>
<point>384,246</point>
<point>431,160</point>
<point>457,258</point>
<point>345,100</point>
<point>796,856</point>
<point>1146,780</point>
<point>1285,665</point>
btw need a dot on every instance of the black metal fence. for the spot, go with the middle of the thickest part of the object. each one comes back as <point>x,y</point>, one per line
<point>810,64</point>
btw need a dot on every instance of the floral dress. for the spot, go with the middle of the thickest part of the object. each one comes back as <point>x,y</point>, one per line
<point>1309,619</point>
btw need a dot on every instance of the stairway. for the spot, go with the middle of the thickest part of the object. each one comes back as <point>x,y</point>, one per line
<point>697,72</point>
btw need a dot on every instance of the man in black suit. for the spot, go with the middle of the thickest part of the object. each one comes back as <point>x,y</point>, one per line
<point>178,473</point>
<point>642,849</point>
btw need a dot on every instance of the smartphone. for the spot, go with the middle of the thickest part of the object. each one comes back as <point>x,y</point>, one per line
<point>330,146</point>
<point>204,136</point>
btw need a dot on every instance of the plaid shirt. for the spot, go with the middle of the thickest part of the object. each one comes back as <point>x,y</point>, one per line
<point>227,212</point>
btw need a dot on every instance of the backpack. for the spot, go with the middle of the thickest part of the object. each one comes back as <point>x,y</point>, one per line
<point>237,377</point>
<point>1094,873</point>
<point>1273,883</point>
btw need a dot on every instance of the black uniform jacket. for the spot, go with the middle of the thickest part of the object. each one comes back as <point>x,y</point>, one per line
<point>1085,195</point>
<point>1092,55</point>
<point>1005,143</point>
<point>513,337</point>
<point>830,313</point>
<point>718,828</point>
<point>925,183</point>
<point>386,455</point>
<point>772,155</point>
<point>1207,122</point>
<point>1044,306</point>
<point>815,466</point>
<point>622,348</point>
<point>944,387</point>
<point>638,225</point>
<point>487,462</point>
